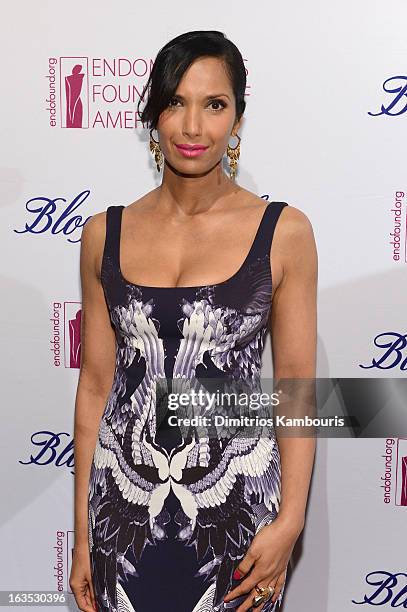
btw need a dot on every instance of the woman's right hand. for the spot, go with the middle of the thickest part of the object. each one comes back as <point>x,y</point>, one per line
<point>80,579</point>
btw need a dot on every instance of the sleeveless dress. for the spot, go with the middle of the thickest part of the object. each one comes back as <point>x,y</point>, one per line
<point>172,513</point>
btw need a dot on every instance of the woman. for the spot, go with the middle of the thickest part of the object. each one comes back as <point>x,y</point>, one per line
<point>177,286</point>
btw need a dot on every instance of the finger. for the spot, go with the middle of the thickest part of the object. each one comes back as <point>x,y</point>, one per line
<point>82,600</point>
<point>244,566</point>
<point>92,593</point>
<point>245,586</point>
<point>89,602</point>
<point>271,581</point>
<point>248,603</point>
<point>278,586</point>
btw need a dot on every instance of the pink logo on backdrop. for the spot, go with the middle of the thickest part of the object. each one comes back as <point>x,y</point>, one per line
<point>74,106</point>
<point>66,334</point>
<point>73,338</point>
<point>401,472</point>
<point>69,555</point>
<point>74,92</point>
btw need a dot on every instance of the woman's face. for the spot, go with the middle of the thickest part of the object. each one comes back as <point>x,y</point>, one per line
<point>201,112</point>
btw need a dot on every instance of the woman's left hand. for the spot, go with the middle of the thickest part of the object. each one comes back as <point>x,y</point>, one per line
<point>267,556</point>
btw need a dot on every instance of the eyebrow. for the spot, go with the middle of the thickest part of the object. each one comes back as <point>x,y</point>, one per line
<point>210,97</point>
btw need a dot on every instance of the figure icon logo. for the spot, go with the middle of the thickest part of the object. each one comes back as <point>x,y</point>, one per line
<point>74,90</point>
<point>401,472</point>
<point>72,323</point>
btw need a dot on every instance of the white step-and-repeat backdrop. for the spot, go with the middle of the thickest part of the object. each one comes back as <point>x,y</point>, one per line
<point>324,131</point>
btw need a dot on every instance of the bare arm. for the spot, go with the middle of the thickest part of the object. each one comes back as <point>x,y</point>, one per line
<point>293,326</point>
<point>294,334</point>
<point>97,367</point>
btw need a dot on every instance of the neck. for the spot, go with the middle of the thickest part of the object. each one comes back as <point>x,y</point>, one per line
<point>191,194</point>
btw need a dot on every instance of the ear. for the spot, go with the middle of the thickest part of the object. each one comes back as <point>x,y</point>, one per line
<point>237,126</point>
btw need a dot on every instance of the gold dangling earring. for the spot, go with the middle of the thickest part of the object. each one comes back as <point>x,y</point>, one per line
<point>156,151</point>
<point>233,155</point>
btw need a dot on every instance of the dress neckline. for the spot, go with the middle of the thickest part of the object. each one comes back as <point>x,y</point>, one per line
<point>190,287</point>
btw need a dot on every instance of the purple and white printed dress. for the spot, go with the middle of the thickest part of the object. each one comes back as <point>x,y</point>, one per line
<point>172,513</point>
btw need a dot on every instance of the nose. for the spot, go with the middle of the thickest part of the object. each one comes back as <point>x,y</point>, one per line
<point>191,126</point>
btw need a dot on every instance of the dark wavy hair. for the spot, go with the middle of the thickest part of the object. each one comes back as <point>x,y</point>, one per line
<point>173,60</point>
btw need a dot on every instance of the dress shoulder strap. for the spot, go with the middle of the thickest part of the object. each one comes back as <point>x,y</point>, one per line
<point>264,237</point>
<point>111,253</point>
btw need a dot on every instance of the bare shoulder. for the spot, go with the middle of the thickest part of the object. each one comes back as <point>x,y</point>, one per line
<point>293,228</point>
<point>294,224</point>
<point>92,241</point>
<point>94,231</point>
<point>294,239</point>
<point>95,227</point>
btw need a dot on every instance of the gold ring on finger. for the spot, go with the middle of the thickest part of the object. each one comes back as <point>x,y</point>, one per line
<point>258,600</point>
<point>264,590</point>
<point>265,593</point>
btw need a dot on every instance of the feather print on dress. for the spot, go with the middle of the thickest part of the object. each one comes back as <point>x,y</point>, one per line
<point>197,500</point>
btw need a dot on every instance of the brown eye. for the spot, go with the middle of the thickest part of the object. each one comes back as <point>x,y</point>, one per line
<point>221,102</point>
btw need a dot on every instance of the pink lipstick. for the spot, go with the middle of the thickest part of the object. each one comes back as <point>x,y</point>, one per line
<point>191,150</point>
